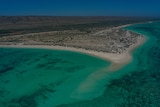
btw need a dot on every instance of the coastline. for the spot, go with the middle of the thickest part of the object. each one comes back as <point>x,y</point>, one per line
<point>117,60</point>
<point>93,85</point>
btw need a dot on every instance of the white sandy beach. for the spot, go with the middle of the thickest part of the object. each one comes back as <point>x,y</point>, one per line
<point>87,87</point>
<point>117,60</point>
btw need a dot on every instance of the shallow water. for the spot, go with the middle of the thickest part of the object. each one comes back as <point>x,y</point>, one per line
<point>47,78</point>
<point>39,77</point>
<point>138,83</point>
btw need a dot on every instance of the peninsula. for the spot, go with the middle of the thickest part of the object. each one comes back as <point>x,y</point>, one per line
<point>102,37</point>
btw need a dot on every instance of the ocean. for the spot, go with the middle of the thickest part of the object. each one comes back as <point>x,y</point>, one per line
<point>30,77</point>
<point>49,78</point>
<point>138,83</point>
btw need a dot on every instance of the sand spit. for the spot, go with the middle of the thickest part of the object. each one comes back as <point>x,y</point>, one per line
<point>117,60</point>
<point>94,81</point>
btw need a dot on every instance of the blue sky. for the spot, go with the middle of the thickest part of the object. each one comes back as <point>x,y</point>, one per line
<point>80,7</point>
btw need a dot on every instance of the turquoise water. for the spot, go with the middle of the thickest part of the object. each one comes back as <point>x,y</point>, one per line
<point>47,78</point>
<point>138,83</point>
<point>44,78</point>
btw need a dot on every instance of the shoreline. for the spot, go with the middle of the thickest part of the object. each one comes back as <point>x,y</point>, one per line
<point>87,89</point>
<point>117,60</point>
